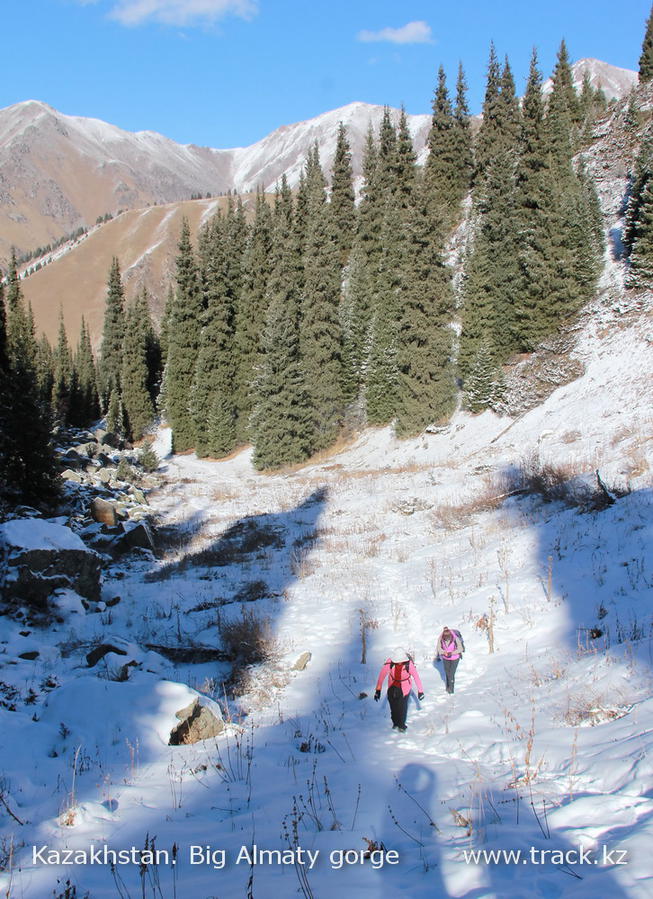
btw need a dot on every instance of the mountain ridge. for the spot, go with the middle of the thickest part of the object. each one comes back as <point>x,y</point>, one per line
<point>59,172</point>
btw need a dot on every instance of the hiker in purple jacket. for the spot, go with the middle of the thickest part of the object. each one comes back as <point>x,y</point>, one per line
<point>401,672</point>
<point>449,648</point>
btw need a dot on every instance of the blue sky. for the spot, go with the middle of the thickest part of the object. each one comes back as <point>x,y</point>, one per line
<point>225,73</point>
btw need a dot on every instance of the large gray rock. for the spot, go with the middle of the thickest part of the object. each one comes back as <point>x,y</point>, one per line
<point>39,557</point>
<point>136,536</point>
<point>198,722</point>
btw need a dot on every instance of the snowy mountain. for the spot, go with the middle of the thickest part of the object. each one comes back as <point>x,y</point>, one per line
<point>612,80</point>
<point>58,172</point>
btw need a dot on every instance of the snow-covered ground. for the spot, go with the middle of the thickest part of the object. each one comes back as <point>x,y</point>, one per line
<point>544,749</point>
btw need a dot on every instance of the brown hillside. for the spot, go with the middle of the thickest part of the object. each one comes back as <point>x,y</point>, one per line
<point>145,242</point>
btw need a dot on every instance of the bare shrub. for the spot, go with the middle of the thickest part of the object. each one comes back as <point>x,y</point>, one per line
<point>458,515</point>
<point>248,639</point>
<point>532,476</point>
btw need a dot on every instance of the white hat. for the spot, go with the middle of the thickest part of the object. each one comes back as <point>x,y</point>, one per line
<point>399,655</point>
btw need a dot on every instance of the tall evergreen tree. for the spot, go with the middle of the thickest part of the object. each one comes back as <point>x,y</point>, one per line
<point>641,258</point>
<point>646,57</point>
<point>213,401</point>
<point>44,372</point>
<point>489,136</point>
<point>426,385</point>
<point>442,168</point>
<point>113,334</point>
<point>563,113</point>
<point>62,387</point>
<point>463,134</point>
<point>28,471</point>
<point>491,283</point>
<point>86,407</point>
<point>320,335</point>
<point>279,418</point>
<point>342,194</point>
<point>183,344</point>
<point>135,374</point>
<point>640,180</point>
<point>251,308</point>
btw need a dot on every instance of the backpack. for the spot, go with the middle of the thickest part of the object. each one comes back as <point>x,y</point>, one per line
<point>460,637</point>
<point>394,681</point>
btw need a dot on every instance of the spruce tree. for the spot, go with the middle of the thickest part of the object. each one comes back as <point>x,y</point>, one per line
<point>442,168</point>
<point>135,374</point>
<point>113,334</point>
<point>320,335</point>
<point>116,414</point>
<point>183,344</point>
<point>380,365</point>
<point>563,114</point>
<point>646,57</point>
<point>250,312</point>
<point>489,136</point>
<point>279,417</point>
<point>44,372</point>
<point>213,402</point>
<point>86,407</point>
<point>426,385</point>
<point>463,135</point>
<point>640,180</point>
<point>28,470</point>
<point>491,277</point>
<point>62,387</point>
<point>641,258</point>
<point>342,195</point>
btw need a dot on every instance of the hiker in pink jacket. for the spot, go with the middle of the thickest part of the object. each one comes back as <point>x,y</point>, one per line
<point>449,648</point>
<point>401,672</point>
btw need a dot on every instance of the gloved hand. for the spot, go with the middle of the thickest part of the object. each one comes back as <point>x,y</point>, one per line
<point>420,696</point>
<point>377,695</point>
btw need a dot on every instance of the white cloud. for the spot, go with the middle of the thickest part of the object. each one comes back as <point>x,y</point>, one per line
<point>412,33</point>
<point>179,12</point>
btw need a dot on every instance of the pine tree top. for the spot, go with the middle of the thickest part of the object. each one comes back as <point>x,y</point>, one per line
<point>646,58</point>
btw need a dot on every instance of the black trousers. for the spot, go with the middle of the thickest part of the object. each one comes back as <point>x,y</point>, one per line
<point>450,666</point>
<point>398,706</point>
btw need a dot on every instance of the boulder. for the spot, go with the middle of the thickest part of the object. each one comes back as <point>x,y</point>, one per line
<point>137,535</point>
<point>40,557</point>
<point>197,722</point>
<point>69,475</point>
<point>104,512</point>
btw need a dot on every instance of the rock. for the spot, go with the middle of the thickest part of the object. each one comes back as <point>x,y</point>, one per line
<point>198,722</point>
<point>99,434</point>
<point>103,459</point>
<point>42,557</point>
<point>113,601</point>
<point>139,496</point>
<point>29,656</point>
<point>302,661</point>
<point>106,475</point>
<point>94,656</point>
<point>137,535</point>
<point>69,475</point>
<point>73,460</point>
<point>104,512</point>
